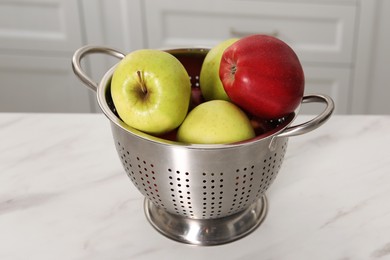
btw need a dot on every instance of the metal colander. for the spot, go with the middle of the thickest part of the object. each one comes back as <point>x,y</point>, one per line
<point>218,190</point>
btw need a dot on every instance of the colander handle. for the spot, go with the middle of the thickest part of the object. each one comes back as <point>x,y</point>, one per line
<point>315,122</point>
<point>90,49</point>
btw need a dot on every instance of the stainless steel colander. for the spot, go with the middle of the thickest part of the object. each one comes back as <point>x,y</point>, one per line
<point>199,194</point>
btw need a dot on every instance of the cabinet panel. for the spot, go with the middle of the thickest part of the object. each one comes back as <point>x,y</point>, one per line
<point>43,25</point>
<point>40,84</point>
<point>334,82</point>
<point>317,32</point>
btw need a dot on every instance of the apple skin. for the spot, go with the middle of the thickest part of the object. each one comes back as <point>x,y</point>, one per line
<point>260,125</point>
<point>171,136</point>
<point>215,122</point>
<point>262,75</point>
<point>196,97</point>
<point>151,91</point>
<point>209,80</point>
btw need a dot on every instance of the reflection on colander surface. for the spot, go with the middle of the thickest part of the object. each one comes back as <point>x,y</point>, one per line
<point>198,190</point>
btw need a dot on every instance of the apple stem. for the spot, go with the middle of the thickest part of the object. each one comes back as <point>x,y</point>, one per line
<point>142,82</point>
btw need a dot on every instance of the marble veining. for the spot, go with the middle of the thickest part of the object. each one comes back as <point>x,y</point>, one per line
<point>64,195</point>
<point>382,251</point>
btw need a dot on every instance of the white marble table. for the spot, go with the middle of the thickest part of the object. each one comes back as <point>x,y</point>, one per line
<point>64,195</point>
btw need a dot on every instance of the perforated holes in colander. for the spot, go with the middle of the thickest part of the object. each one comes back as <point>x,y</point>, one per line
<point>203,194</point>
<point>194,80</point>
<point>242,189</point>
<point>208,199</point>
<point>180,192</point>
<point>141,173</point>
<point>271,166</point>
<point>212,194</point>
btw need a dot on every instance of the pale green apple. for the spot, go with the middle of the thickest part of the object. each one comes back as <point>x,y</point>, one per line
<point>215,122</point>
<point>151,91</point>
<point>210,83</point>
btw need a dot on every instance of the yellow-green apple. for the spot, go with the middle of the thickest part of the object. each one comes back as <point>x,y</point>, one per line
<point>262,75</point>
<point>215,122</point>
<point>210,83</point>
<point>151,91</point>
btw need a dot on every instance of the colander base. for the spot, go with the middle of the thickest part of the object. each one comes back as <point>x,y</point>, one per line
<point>207,232</point>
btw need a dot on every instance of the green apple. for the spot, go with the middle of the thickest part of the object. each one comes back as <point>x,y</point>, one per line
<point>210,83</point>
<point>215,122</point>
<point>151,91</point>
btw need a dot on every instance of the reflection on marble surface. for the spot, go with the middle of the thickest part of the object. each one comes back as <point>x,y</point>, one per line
<point>64,195</point>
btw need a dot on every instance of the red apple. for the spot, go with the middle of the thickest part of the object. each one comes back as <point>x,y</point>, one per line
<point>171,136</point>
<point>196,97</point>
<point>260,125</point>
<point>262,75</point>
